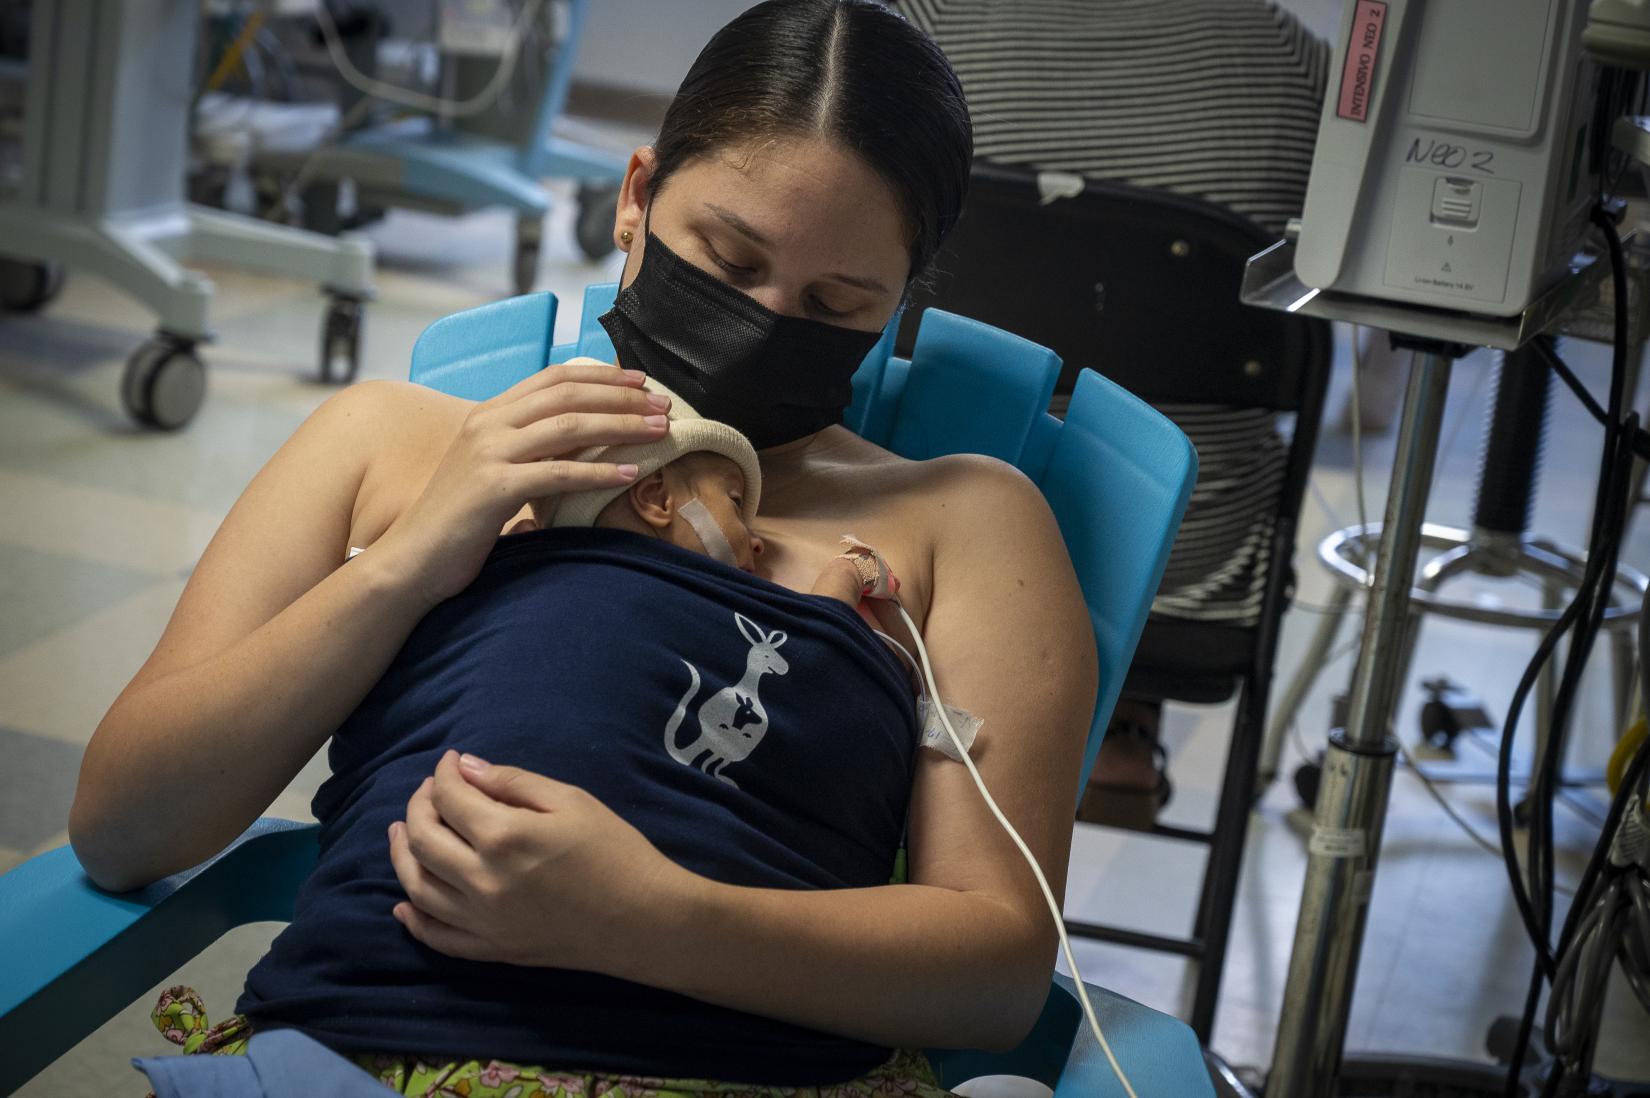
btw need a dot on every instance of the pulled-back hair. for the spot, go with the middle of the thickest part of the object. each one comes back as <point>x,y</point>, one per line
<point>851,71</point>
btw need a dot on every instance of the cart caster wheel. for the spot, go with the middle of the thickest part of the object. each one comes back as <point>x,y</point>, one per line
<point>341,341</point>
<point>26,287</point>
<point>164,383</point>
<point>526,263</point>
<point>598,206</point>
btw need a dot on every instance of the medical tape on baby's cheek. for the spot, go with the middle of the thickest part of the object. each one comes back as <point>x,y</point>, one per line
<point>698,516</point>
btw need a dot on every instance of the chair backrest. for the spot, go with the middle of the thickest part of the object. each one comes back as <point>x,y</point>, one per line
<point>1115,472</point>
<point>1139,285</point>
<point>1142,286</point>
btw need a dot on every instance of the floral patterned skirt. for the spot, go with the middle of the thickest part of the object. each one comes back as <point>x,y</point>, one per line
<point>181,1018</point>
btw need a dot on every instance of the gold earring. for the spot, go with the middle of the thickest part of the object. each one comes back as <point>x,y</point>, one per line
<point>627,236</point>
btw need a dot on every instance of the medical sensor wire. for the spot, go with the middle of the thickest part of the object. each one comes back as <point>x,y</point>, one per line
<point>991,803</point>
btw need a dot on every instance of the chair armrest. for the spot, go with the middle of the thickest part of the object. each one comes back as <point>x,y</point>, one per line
<point>76,955</point>
<point>1159,1054</point>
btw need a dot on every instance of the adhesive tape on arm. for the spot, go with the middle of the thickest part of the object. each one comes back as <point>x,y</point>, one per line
<point>934,734</point>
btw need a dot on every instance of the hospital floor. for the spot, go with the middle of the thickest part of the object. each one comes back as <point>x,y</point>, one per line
<point>100,523</point>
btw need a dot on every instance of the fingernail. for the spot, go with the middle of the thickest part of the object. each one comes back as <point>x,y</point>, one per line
<point>637,376</point>
<point>656,422</point>
<point>658,400</point>
<point>473,764</point>
<point>629,471</point>
<point>391,828</point>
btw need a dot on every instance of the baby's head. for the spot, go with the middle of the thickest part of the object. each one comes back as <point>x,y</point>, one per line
<point>696,502</point>
<point>698,488</point>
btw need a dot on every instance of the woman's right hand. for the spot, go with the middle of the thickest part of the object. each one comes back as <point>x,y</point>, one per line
<point>513,449</point>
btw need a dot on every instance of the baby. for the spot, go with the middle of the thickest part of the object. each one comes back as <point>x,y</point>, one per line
<point>698,488</point>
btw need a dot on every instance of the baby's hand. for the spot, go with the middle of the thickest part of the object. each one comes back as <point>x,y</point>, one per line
<point>860,572</point>
<point>840,580</point>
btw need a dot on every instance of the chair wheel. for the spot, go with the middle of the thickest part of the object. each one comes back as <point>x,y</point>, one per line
<point>341,341</point>
<point>165,382</point>
<point>526,266</point>
<point>26,287</point>
<point>598,206</point>
<point>1308,776</point>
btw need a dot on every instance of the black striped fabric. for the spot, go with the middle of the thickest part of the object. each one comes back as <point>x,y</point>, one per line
<point>1215,99</point>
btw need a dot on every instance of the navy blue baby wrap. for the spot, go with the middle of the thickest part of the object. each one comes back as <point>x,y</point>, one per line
<point>755,735</point>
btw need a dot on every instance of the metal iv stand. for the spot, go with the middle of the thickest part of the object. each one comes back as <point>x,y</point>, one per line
<point>1357,771</point>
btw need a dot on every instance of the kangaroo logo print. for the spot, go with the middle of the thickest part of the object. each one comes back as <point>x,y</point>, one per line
<point>731,721</point>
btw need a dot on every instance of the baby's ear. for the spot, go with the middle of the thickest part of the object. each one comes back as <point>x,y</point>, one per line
<point>650,498</point>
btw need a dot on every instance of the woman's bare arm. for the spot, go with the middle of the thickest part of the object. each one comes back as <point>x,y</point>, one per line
<point>272,644</point>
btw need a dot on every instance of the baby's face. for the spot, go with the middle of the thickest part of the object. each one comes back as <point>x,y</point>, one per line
<point>718,483</point>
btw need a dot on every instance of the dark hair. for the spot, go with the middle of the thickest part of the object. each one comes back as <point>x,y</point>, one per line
<point>850,70</point>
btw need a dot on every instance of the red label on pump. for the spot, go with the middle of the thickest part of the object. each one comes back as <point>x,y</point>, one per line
<point>1363,50</point>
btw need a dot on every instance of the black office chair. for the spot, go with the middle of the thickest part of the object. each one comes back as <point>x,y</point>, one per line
<point>1142,286</point>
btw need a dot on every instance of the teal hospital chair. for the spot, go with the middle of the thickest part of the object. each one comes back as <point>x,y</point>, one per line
<point>1116,474</point>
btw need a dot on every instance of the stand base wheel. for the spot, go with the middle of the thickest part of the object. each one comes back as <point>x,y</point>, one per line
<point>1308,776</point>
<point>341,341</point>
<point>26,287</point>
<point>525,267</point>
<point>165,382</point>
<point>598,207</point>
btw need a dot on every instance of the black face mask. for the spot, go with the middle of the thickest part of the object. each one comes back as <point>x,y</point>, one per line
<point>773,378</point>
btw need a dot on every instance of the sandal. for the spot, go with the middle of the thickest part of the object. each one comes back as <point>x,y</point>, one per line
<point>1116,801</point>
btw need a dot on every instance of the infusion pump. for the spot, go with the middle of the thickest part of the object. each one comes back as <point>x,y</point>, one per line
<point>1452,163</point>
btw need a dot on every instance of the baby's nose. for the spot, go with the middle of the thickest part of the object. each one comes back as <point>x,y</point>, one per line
<point>756,546</point>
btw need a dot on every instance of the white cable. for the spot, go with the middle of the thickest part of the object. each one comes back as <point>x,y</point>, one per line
<point>1048,893</point>
<point>1357,432</point>
<point>394,93</point>
<point>922,687</point>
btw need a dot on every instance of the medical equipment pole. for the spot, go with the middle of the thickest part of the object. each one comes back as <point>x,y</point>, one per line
<point>1351,805</point>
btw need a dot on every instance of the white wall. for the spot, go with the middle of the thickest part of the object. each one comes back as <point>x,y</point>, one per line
<point>648,44</point>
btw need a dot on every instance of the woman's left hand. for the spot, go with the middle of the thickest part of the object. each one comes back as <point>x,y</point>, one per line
<point>501,864</point>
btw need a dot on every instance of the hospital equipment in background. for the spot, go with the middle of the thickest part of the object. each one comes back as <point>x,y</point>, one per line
<point>1115,473</point>
<point>1155,309</point>
<point>1460,144</point>
<point>1449,165</point>
<point>101,190</point>
<point>465,122</point>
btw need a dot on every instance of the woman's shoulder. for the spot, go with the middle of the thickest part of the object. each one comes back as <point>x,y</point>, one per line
<point>404,403</point>
<point>396,420</point>
<point>402,429</point>
<point>971,484</point>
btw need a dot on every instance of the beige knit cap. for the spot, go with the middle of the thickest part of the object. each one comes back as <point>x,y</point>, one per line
<point>689,433</point>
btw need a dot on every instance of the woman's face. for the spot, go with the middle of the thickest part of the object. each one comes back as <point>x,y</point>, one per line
<point>801,225</point>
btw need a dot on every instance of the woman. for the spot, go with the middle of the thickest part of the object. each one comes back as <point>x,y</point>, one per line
<point>808,168</point>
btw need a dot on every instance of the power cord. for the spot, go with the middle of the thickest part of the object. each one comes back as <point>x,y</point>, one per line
<point>1581,619</point>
